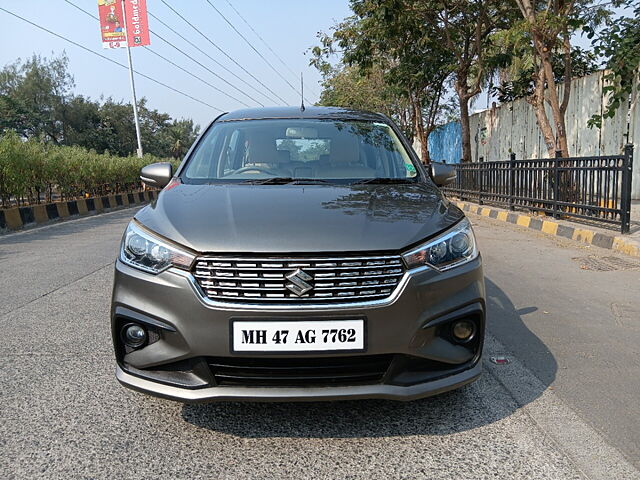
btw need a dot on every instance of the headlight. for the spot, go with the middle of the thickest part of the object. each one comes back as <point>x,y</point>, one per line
<point>454,247</point>
<point>142,250</point>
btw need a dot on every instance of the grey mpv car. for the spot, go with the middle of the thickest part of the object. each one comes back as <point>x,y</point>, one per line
<point>298,255</point>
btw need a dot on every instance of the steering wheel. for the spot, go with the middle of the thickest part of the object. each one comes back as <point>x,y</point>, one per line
<point>256,169</point>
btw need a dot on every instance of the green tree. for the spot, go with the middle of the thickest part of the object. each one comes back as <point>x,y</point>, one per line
<point>152,125</point>
<point>350,87</point>
<point>548,27</point>
<point>81,119</point>
<point>467,28</point>
<point>619,44</point>
<point>421,45</point>
<point>514,69</point>
<point>179,136</point>
<point>36,101</point>
<point>34,95</point>
<point>390,45</point>
<point>13,114</point>
<point>117,128</point>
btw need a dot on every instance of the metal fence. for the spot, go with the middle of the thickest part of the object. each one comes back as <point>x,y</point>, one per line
<point>588,188</point>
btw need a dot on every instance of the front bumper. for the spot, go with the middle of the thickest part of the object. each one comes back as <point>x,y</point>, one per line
<point>300,394</point>
<point>412,329</point>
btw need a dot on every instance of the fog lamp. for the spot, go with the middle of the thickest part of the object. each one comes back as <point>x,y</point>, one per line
<point>134,335</point>
<point>463,330</point>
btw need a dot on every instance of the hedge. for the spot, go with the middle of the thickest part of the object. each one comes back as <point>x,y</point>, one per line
<point>32,171</point>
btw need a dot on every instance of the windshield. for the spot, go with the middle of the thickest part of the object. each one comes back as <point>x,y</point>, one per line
<point>274,151</point>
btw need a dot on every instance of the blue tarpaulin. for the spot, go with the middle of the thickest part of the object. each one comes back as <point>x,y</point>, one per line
<point>445,143</point>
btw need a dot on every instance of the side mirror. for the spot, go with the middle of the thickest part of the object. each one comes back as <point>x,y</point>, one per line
<point>443,174</point>
<point>157,174</point>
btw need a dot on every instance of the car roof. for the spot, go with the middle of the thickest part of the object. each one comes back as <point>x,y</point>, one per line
<point>335,113</point>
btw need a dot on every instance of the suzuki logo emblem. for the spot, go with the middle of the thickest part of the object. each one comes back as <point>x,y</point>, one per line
<point>299,280</point>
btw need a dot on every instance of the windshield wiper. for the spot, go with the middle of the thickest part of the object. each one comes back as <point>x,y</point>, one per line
<point>383,181</point>
<point>304,181</point>
<point>284,181</point>
<point>270,181</point>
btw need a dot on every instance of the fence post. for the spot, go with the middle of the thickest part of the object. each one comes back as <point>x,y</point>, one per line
<point>512,180</point>
<point>459,178</point>
<point>480,176</point>
<point>556,184</point>
<point>625,191</point>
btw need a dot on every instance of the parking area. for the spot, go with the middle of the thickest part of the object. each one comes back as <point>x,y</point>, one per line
<point>562,406</point>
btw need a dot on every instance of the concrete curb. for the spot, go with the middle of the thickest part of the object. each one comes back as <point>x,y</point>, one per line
<point>17,218</point>
<point>619,243</point>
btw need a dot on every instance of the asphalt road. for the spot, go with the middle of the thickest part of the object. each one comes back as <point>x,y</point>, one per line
<point>565,407</point>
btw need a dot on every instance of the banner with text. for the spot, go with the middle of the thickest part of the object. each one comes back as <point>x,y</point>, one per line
<point>137,23</point>
<point>112,25</point>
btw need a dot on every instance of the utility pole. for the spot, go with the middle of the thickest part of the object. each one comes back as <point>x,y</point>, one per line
<point>133,86</point>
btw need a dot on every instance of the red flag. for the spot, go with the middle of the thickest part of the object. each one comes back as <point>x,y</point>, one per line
<point>137,23</point>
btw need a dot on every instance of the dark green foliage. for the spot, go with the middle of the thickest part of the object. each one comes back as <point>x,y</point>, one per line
<point>391,61</point>
<point>32,171</point>
<point>36,101</point>
<point>583,62</point>
<point>619,44</point>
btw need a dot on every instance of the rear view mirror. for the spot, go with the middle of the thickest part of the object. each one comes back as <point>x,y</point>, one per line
<point>442,174</point>
<point>157,174</point>
<point>301,132</point>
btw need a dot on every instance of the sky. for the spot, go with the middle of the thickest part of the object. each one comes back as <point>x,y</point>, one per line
<point>288,26</point>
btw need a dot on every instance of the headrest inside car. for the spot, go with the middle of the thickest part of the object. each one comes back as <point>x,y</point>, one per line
<point>345,149</point>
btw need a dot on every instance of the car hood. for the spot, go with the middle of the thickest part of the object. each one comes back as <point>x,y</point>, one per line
<point>244,218</point>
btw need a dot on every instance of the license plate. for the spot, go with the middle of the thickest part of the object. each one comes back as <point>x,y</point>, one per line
<point>298,336</point>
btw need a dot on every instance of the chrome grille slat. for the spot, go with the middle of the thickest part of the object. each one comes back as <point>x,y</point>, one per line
<point>301,259</point>
<point>316,277</point>
<point>273,269</point>
<point>320,298</point>
<point>266,280</point>
<point>266,289</point>
<point>283,288</point>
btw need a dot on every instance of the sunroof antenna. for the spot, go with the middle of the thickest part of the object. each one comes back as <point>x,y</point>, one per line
<point>301,92</point>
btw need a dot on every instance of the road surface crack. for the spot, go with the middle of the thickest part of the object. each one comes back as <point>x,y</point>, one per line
<point>4,315</point>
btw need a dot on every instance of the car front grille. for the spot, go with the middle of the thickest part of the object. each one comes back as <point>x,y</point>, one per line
<point>299,279</point>
<point>300,371</point>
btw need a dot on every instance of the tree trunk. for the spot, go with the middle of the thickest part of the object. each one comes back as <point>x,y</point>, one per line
<point>464,126</point>
<point>544,38</point>
<point>554,102</point>
<point>426,158</point>
<point>418,127</point>
<point>537,102</point>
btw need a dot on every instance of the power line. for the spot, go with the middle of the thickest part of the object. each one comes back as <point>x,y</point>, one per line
<point>265,43</point>
<point>203,81</point>
<point>108,59</point>
<point>178,66</point>
<point>223,52</point>
<point>209,57</point>
<point>254,48</point>
<point>195,76</point>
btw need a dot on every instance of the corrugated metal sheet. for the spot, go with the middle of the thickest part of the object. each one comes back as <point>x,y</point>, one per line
<point>445,144</point>
<point>512,127</point>
<point>634,137</point>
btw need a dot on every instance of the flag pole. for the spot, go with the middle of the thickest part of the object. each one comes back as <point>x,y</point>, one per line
<point>133,85</point>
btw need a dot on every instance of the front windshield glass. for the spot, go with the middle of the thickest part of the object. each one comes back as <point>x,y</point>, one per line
<point>290,150</point>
